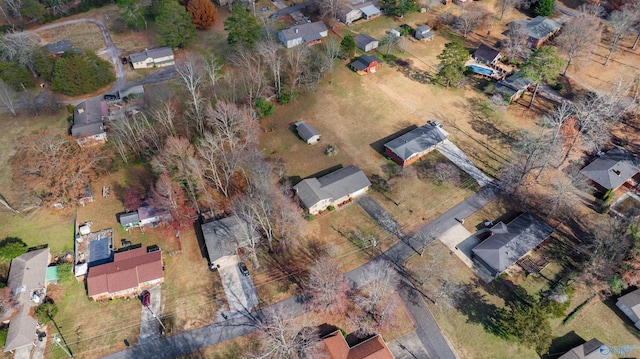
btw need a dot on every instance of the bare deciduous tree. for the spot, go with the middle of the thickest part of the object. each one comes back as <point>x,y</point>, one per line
<point>579,37</point>
<point>375,299</point>
<point>219,162</point>
<point>8,97</point>
<point>514,45</point>
<point>213,71</point>
<point>15,8</point>
<point>18,47</point>
<point>271,53</point>
<point>562,196</point>
<point>389,42</point>
<point>506,5</point>
<point>191,74</point>
<point>620,22</point>
<point>284,336</point>
<point>176,160</point>
<point>473,16</point>
<point>445,172</point>
<point>329,9</point>
<point>297,61</point>
<point>251,73</point>
<point>327,288</point>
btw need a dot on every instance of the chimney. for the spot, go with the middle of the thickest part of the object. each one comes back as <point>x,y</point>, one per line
<point>296,30</point>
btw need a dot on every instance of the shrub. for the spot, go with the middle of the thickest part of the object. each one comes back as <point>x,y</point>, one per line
<point>47,311</point>
<point>616,284</point>
<point>310,217</point>
<point>331,208</point>
<point>3,335</point>
<point>65,273</point>
<point>559,86</point>
<point>331,150</point>
<point>12,247</point>
<point>576,311</point>
<point>264,108</point>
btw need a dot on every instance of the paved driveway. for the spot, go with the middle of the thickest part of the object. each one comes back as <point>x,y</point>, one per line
<point>455,155</point>
<point>239,289</point>
<point>149,326</point>
<point>408,346</point>
<point>382,217</point>
<point>461,242</point>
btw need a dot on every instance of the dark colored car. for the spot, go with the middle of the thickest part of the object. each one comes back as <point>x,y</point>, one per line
<point>275,15</point>
<point>124,61</point>
<point>243,269</point>
<point>110,97</point>
<point>264,8</point>
<point>146,298</point>
<point>435,123</point>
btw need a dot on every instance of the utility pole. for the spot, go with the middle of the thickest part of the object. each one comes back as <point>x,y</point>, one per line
<point>56,339</point>
<point>158,319</point>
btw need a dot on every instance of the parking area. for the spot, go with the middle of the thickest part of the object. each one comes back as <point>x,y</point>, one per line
<point>239,289</point>
<point>461,242</point>
<point>149,326</point>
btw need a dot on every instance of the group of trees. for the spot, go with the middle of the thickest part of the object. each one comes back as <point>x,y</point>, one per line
<point>68,74</point>
<point>452,60</point>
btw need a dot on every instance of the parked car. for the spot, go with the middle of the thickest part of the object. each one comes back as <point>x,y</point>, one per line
<point>265,8</point>
<point>146,298</point>
<point>110,97</point>
<point>275,15</point>
<point>124,61</point>
<point>243,269</point>
<point>434,123</point>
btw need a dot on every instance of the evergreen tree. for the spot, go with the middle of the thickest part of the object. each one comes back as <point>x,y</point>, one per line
<point>243,28</point>
<point>347,46</point>
<point>452,60</point>
<point>544,7</point>
<point>15,76</point>
<point>530,324</point>
<point>75,74</point>
<point>33,9</point>
<point>175,28</point>
<point>131,13</point>
<point>543,65</point>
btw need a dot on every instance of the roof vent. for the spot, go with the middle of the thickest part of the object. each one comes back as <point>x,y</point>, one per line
<point>296,30</point>
<point>617,172</point>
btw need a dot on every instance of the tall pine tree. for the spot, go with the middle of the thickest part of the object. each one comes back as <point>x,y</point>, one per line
<point>175,28</point>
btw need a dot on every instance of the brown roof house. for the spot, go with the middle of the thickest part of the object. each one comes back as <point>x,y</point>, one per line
<point>224,236</point>
<point>487,55</point>
<point>510,242</point>
<point>539,30</point>
<point>415,144</point>
<point>333,189</point>
<point>629,304</point>
<point>613,169</point>
<point>128,275</point>
<point>593,349</point>
<point>27,280</point>
<point>373,348</point>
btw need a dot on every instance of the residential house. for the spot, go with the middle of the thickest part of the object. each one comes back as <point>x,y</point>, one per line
<point>366,43</point>
<point>366,64</point>
<point>370,12</point>
<point>224,236</point>
<point>612,169</point>
<point>88,122</point>
<point>588,350</point>
<point>132,92</point>
<point>539,30</point>
<point>414,144</point>
<point>629,304</point>
<point>510,242</point>
<point>129,220</point>
<point>347,14</point>
<point>128,275</point>
<point>60,47</point>
<point>333,189</point>
<point>487,55</point>
<point>308,33</point>
<point>423,32</point>
<point>513,87</point>
<point>146,59</point>
<point>307,132</point>
<point>336,347</point>
<point>27,281</point>
<point>151,216</point>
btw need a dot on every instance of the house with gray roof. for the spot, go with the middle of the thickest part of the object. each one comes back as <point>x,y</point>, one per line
<point>612,169</point>
<point>415,144</point>
<point>423,32</point>
<point>539,30</point>
<point>508,243</point>
<point>347,14</point>
<point>588,350</point>
<point>307,132</point>
<point>223,237</point>
<point>88,122</point>
<point>370,11</point>
<point>366,64</point>
<point>160,57</point>
<point>27,280</point>
<point>366,43</point>
<point>60,47</point>
<point>333,189</point>
<point>513,87</point>
<point>129,220</point>
<point>307,33</point>
<point>629,304</point>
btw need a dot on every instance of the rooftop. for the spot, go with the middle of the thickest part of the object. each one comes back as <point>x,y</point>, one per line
<point>363,39</point>
<point>416,141</point>
<point>334,185</point>
<point>224,236</point>
<point>373,348</point>
<point>486,53</point>
<point>306,131</point>
<point>539,27</point>
<point>307,31</point>
<point>153,54</point>
<point>612,169</point>
<point>58,48</point>
<point>588,350</point>
<point>364,61</point>
<point>631,301</point>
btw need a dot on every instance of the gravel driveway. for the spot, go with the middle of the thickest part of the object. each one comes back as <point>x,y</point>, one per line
<point>382,217</point>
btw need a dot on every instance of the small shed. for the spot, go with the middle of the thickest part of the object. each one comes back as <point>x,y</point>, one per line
<point>394,32</point>
<point>370,11</point>
<point>423,32</point>
<point>366,64</point>
<point>129,220</point>
<point>366,43</point>
<point>307,132</point>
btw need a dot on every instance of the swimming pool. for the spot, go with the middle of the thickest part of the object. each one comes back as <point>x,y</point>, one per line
<point>481,70</point>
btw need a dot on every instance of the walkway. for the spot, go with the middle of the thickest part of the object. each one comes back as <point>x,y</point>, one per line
<point>455,155</point>
<point>380,215</point>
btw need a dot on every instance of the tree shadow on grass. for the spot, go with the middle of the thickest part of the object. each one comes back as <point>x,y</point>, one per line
<point>406,68</point>
<point>478,310</point>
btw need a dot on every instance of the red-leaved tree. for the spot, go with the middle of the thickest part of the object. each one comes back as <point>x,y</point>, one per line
<point>203,13</point>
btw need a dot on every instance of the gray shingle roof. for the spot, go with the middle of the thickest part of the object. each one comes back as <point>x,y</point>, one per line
<point>370,10</point>
<point>512,241</point>
<point>306,131</point>
<point>416,141</point>
<point>632,301</point>
<point>588,350</point>
<point>486,53</point>
<point>334,185</point>
<point>362,40</point>
<point>305,31</point>
<point>362,62</point>
<point>512,84</point>
<point>223,236</point>
<point>539,27</point>
<point>130,218</point>
<point>612,169</point>
<point>153,53</point>
<point>59,47</point>
<point>27,273</point>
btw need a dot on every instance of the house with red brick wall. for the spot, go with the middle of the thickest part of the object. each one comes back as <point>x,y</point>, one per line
<point>539,30</point>
<point>128,275</point>
<point>415,144</point>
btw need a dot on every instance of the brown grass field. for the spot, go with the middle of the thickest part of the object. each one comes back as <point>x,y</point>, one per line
<point>85,36</point>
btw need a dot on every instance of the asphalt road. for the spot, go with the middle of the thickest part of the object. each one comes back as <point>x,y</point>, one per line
<point>428,330</point>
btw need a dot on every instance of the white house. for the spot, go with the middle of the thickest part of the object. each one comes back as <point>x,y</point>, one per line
<point>347,14</point>
<point>159,57</point>
<point>423,32</point>
<point>309,33</point>
<point>366,43</point>
<point>307,132</point>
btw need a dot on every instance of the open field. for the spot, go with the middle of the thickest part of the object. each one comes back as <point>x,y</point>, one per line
<point>85,36</point>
